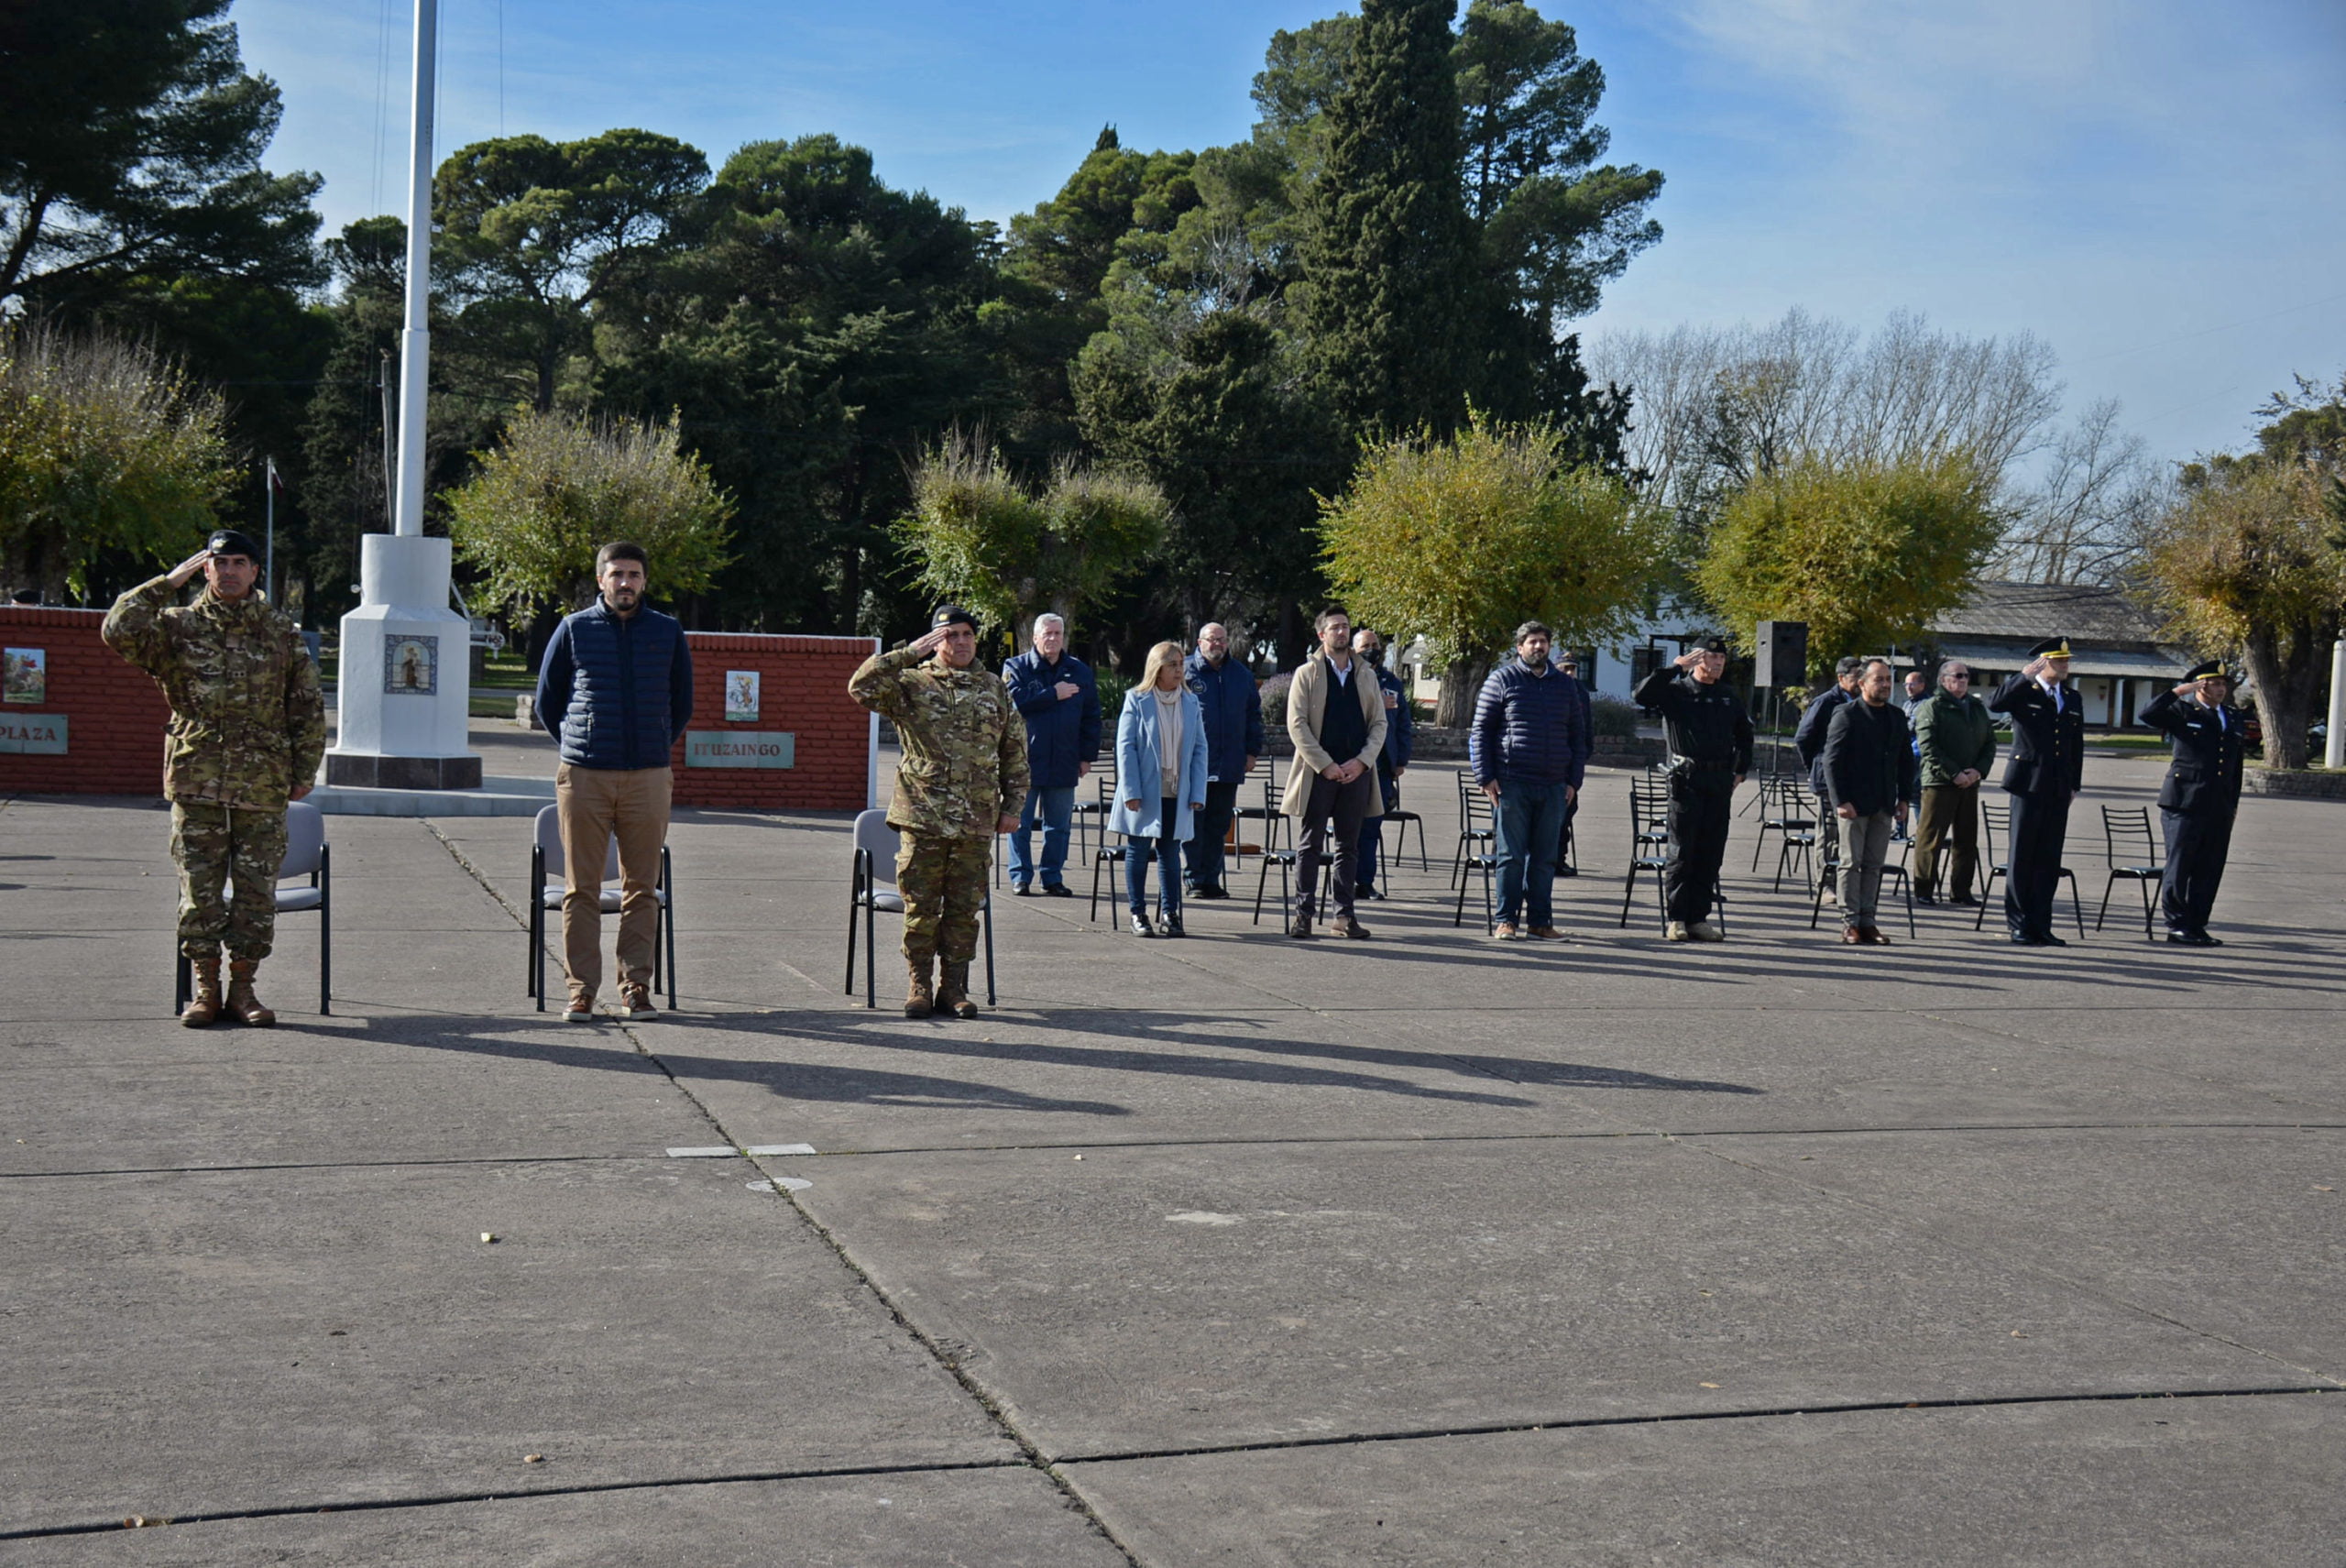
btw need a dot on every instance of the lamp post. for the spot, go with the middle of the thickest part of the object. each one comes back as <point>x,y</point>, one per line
<point>404,693</point>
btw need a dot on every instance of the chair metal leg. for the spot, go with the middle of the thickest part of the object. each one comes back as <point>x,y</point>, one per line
<point>989,934</point>
<point>871,954</point>
<point>2077,903</point>
<point>1628,891</point>
<point>1490,910</point>
<point>2109,882</point>
<point>323,882</point>
<point>668,885</point>
<point>854,903</point>
<point>2144,883</point>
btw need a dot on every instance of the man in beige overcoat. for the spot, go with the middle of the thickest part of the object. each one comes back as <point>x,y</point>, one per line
<point>1335,716</point>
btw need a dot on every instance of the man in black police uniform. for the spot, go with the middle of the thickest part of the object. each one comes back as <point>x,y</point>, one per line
<point>1709,737</point>
<point>2045,772</point>
<point>2200,797</point>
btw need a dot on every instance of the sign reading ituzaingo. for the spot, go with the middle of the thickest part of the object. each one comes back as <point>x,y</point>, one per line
<point>739,749</point>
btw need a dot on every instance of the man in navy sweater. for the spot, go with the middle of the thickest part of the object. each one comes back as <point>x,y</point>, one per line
<point>616,690</point>
<point>1058,696</point>
<point>1528,749</point>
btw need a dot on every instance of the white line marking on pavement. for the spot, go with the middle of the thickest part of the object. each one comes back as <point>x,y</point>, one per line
<point>726,1152</point>
<point>780,1149</point>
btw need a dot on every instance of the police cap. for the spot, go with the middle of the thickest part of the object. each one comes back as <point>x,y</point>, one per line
<point>2051,648</point>
<point>1715,645</point>
<point>2213,670</point>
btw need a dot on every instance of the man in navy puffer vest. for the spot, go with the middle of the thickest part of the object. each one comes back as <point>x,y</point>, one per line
<point>617,690</point>
<point>1529,748</point>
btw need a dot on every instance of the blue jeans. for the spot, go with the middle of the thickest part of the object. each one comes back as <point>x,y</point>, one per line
<point>1166,849</point>
<point>1531,818</point>
<point>1054,808</point>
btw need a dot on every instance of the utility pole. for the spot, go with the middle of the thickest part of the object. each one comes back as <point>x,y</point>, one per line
<point>269,486</point>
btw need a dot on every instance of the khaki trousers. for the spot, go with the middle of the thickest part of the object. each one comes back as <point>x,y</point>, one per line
<point>596,804</point>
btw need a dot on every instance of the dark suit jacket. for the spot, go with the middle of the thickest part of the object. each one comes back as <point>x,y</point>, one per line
<point>2205,774</point>
<point>2048,756</point>
<point>1808,736</point>
<point>1870,759</point>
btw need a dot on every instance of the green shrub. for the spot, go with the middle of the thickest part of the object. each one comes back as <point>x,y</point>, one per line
<point>1612,718</point>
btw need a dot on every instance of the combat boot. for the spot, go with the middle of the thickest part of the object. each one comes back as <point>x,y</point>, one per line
<point>243,1005</point>
<point>203,1008</point>
<point>953,991</point>
<point>921,1000</point>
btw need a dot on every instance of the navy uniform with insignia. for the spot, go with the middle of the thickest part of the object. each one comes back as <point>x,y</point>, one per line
<point>1709,736</point>
<point>961,783</point>
<point>2044,773</point>
<point>2199,798</point>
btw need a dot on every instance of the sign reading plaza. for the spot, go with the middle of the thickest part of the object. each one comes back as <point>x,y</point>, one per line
<point>42,733</point>
<point>741,748</point>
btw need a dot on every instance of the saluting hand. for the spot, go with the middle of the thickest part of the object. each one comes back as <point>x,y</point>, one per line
<point>935,640</point>
<point>189,568</point>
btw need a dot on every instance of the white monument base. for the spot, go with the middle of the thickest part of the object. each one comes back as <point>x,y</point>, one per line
<point>405,691</point>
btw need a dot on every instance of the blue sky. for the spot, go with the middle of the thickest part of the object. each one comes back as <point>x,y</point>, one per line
<point>2151,187</point>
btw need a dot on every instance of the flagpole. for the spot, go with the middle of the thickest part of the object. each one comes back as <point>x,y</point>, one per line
<point>269,483</point>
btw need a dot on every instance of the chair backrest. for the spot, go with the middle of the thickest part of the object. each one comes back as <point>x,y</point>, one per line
<point>305,840</point>
<point>550,841</point>
<point>1648,811</point>
<point>872,833</point>
<point>1994,819</point>
<point>1475,807</point>
<point>2129,823</point>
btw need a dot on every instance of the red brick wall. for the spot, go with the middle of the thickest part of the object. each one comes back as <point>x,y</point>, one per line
<point>116,712</point>
<point>802,690</point>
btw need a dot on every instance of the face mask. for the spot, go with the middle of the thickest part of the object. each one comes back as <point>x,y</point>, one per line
<point>1376,656</point>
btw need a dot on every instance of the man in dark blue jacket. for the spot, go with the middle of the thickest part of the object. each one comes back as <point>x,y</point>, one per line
<point>1528,751</point>
<point>617,690</point>
<point>1391,763</point>
<point>1234,714</point>
<point>1816,721</point>
<point>1059,698</point>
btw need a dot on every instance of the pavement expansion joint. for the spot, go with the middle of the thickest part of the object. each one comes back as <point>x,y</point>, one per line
<point>1686,1418</point>
<point>419,1164</point>
<point>519,1494</point>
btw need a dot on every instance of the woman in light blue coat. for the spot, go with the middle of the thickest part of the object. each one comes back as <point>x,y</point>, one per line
<point>1160,785</point>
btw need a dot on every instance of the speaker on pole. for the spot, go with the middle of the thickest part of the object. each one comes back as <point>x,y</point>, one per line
<point>1781,647</point>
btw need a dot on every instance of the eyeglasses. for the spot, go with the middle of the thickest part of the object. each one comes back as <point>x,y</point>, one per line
<point>1959,677</point>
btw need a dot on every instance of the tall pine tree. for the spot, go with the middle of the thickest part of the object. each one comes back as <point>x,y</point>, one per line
<point>1394,304</point>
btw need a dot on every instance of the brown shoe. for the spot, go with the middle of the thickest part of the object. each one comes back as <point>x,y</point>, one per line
<point>203,1007</point>
<point>243,1005</point>
<point>1504,931</point>
<point>953,990</point>
<point>1345,926</point>
<point>920,1001</point>
<point>1547,933</point>
<point>1300,925</point>
<point>1873,934</point>
<point>1853,936</point>
<point>635,1000</point>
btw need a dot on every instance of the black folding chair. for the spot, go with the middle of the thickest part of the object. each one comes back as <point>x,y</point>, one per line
<point>1826,877</point>
<point>1090,816</point>
<point>306,854</point>
<point>1478,828</point>
<point>1997,820</point>
<point>1784,810</point>
<point>873,892</point>
<point>2128,824</point>
<point>546,861</point>
<point>1399,820</point>
<point>1274,820</point>
<point>1649,848</point>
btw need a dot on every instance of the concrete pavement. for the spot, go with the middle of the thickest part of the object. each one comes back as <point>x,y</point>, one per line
<point>1235,1249</point>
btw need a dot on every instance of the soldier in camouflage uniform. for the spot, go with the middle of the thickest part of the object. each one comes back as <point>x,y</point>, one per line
<point>963,775</point>
<point>247,733</point>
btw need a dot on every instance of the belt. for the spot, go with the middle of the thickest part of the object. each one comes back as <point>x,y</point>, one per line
<point>1695,765</point>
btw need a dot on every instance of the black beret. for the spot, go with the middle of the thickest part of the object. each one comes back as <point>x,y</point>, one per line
<point>952,614</point>
<point>2212,670</point>
<point>2051,648</point>
<point>232,542</point>
<point>1715,645</point>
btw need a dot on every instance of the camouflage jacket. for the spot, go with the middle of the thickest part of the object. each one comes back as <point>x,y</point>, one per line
<point>965,746</point>
<point>247,722</point>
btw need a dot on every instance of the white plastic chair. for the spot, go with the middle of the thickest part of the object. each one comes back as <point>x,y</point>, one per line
<point>546,861</point>
<point>874,889</point>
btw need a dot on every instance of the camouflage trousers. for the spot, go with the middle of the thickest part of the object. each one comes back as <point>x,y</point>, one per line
<point>944,884</point>
<point>227,861</point>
